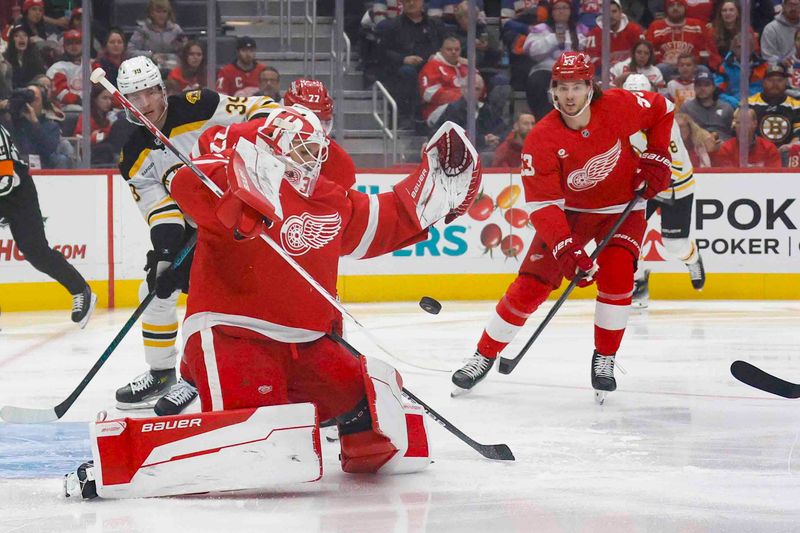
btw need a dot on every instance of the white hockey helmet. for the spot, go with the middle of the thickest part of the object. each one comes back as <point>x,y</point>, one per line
<point>637,82</point>
<point>136,74</point>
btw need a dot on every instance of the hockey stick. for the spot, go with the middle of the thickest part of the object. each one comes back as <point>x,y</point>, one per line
<point>98,76</point>
<point>499,452</point>
<point>755,377</point>
<point>506,365</point>
<point>27,415</point>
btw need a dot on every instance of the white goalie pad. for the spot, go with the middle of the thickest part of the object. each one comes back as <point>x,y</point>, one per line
<point>215,451</point>
<point>446,181</point>
<point>402,423</point>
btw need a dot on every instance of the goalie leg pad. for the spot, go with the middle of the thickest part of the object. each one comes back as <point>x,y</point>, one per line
<point>397,441</point>
<point>218,451</point>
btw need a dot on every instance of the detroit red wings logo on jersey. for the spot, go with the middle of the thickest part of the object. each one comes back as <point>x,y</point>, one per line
<point>595,170</point>
<point>299,234</point>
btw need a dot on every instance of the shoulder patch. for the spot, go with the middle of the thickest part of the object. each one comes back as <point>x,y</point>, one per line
<point>193,97</point>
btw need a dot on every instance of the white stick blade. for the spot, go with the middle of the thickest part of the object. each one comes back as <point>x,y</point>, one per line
<point>26,415</point>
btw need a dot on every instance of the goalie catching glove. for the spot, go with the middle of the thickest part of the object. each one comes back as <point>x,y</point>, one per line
<point>447,180</point>
<point>654,173</point>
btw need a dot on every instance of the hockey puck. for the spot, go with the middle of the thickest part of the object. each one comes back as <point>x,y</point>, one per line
<point>429,305</point>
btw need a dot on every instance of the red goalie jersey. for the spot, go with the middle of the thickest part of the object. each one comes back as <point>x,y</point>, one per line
<point>248,285</point>
<point>593,170</point>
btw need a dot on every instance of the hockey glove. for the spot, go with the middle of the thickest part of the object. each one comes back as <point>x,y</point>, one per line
<point>246,222</point>
<point>654,173</point>
<point>573,260</point>
<point>160,277</point>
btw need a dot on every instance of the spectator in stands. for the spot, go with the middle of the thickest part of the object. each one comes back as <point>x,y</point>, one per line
<point>509,153</point>
<point>792,63</point>
<point>114,52</point>
<point>488,51</point>
<point>441,81</point>
<point>707,110</point>
<point>642,61</point>
<point>6,79</point>
<point>407,42</point>
<point>75,23</point>
<point>701,10</point>
<point>33,21</point>
<point>269,83</point>
<point>37,136</point>
<point>66,74</point>
<point>241,78</point>
<point>677,35</point>
<point>697,141</point>
<point>517,17</point>
<point>777,39</point>
<point>730,73</point>
<point>445,10</point>
<point>375,18</point>
<point>544,44</point>
<point>101,119</point>
<point>778,114</point>
<point>190,74</point>
<point>24,58</point>
<point>681,88</point>
<point>54,13</point>
<point>158,36</point>
<point>624,34</point>
<point>762,153</point>
<point>726,26</point>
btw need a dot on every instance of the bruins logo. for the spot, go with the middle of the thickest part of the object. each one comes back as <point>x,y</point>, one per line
<point>192,97</point>
<point>775,127</point>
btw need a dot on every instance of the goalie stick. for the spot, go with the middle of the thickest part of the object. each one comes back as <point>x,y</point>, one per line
<point>98,76</point>
<point>30,415</point>
<point>507,365</point>
<point>755,377</point>
<point>498,452</point>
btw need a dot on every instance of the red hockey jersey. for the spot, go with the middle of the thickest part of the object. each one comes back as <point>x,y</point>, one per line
<point>440,84</point>
<point>231,79</point>
<point>592,170</point>
<point>246,284</point>
<point>672,40</point>
<point>622,41</point>
<point>339,167</point>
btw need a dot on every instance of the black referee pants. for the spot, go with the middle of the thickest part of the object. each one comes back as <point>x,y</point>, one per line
<point>20,209</point>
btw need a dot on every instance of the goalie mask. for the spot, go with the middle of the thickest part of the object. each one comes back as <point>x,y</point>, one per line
<point>298,140</point>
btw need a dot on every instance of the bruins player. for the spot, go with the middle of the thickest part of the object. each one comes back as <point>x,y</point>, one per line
<point>676,207</point>
<point>145,164</point>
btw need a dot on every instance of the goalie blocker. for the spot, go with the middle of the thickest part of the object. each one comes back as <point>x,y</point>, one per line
<point>248,449</point>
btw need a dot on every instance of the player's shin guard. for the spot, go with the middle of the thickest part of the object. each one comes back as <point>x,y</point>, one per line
<point>215,451</point>
<point>160,330</point>
<point>614,291</point>
<point>525,294</point>
<point>687,252</point>
<point>383,435</point>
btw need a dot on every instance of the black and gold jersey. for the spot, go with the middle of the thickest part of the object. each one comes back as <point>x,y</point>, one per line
<point>778,123</point>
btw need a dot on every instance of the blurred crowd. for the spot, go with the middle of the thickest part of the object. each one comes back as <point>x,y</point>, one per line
<point>689,50</point>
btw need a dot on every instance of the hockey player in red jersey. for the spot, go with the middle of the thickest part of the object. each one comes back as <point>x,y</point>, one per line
<point>579,171</point>
<point>257,336</point>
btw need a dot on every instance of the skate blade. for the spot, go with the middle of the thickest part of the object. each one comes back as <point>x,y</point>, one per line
<point>639,305</point>
<point>600,396</point>
<point>147,404</point>
<point>458,391</point>
<point>92,304</point>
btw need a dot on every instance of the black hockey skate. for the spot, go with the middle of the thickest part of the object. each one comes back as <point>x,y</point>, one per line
<point>81,483</point>
<point>698,273</point>
<point>176,400</point>
<point>82,306</point>
<point>145,389</point>
<point>603,380</point>
<point>641,292</point>
<point>471,374</point>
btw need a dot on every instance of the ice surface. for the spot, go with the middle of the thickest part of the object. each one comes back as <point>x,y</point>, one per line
<point>680,447</point>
